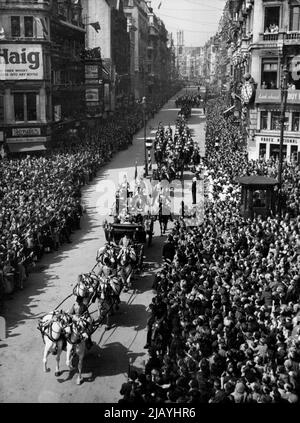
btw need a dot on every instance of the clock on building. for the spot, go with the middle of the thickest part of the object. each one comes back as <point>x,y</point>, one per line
<point>247,91</point>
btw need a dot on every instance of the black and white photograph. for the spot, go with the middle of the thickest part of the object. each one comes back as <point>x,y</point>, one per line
<point>150,206</point>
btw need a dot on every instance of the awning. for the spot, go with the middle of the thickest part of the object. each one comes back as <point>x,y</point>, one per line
<point>23,147</point>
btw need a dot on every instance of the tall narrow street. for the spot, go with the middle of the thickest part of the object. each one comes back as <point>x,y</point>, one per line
<point>105,367</point>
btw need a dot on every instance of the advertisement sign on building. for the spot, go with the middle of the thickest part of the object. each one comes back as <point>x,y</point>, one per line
<point>26,132</point>
<point>274,96</point>
<point>276,140</point>
<point>92,95</point>
<point>21,61</point>
<point>91,71</point>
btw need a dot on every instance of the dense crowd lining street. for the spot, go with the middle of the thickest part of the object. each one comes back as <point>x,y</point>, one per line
<point>52,279</point>
<point>226,316</point>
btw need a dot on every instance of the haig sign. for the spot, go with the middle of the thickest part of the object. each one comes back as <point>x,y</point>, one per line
<point>21,61</point>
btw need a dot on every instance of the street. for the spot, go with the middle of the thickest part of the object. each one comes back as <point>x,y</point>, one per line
<point>22,379</point>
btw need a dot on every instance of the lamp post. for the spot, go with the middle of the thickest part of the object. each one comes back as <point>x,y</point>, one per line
<point>144,105</point>
<point>284,93</point>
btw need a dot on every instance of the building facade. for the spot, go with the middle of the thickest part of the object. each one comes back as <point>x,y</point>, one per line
<point>112,37</point>
<point>136,12</point>
<point>41,69</point>
<point>266,34</point>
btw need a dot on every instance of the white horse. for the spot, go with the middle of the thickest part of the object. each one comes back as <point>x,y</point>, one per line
<point>81,328</point>
<point>54,326</point>
<point>86,287</point>
<point>126,260</point>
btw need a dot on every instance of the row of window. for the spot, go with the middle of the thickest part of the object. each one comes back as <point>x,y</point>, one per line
<point>16,26</point>
<point>270,75</point>
<point>274,151</point>
<point>270,120</point>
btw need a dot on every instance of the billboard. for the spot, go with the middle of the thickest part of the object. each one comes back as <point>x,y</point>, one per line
<point>92,95</point>
<point>21,61</point>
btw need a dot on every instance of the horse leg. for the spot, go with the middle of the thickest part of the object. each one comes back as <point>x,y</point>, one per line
<point>59,351</point>
<point>46,353</point>
<point>69,356</point>
<point>80,351</point>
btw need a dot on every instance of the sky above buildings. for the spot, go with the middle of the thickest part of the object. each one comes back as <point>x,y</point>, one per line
<point>198,19</point>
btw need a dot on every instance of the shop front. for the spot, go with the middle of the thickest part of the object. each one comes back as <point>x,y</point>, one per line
<point>268,147</point>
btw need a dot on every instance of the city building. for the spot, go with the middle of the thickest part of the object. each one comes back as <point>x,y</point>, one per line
<point>264,35</point>
<point>41,70</point>
<point>106,28</point>
<point>136,12</point>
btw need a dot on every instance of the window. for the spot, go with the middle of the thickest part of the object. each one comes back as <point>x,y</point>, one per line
<point>272,17</point>
<point>295,121</point>
<point>19,107</point>
<point>274,151</point>
<point>262,150</point>
<point>31,106</point>
<point>275,120</point>
<point>264,119</point>
<point>294,152</point>
<point>15,26</point>
<point>269,74</point>
<point>25,107</point>
<point>295,18</point>
<point>28,26</point>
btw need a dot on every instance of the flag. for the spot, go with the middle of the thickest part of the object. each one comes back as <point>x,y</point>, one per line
<point>43,25</point>
<point>136,172</point>
<point>159,5</point>
<point>96,26</point>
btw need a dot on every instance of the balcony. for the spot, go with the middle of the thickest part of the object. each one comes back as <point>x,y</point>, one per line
<point>292,38</point>
<point>270,36</point>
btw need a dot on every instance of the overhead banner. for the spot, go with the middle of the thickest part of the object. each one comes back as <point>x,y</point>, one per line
<point>21,61</point>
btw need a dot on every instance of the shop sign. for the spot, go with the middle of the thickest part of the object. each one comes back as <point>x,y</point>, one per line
<point>276,140</point>
<point>26,132</point>
<point>274,96</point>
<point>21,61</point>
<point>92,95</point>
<point>35,139</point>
<point>91,72</point>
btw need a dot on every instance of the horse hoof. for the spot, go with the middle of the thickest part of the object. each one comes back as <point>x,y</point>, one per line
<point>78,381</point>
<point>57,374</point>
<point>47,370</point>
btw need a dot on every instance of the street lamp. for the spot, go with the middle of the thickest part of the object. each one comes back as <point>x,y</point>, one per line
<point>284,94</point>
<point>144,105</point>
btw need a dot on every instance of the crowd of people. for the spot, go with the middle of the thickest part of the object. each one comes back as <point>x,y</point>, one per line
<point>40,204</point>
<point>173,154</point>
<point>225,321</point>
